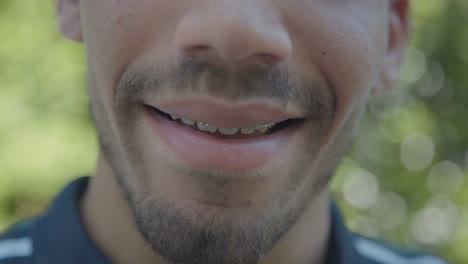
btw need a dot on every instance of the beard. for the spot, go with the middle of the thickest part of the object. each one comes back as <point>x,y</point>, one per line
<point>182,233</point>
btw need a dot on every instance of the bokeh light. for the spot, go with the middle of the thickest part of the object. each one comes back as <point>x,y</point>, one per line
<point>445,177</point>
<point>390,211</point>
<point>432,81</point>
<point>436,222</point>
<point>415,65</point>
<point>417,152</point>
<point>361,188</point>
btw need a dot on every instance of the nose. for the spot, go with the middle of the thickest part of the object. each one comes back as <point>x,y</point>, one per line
<point>233,31</point>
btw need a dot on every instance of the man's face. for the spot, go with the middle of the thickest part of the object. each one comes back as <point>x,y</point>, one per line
<point>278,87</point>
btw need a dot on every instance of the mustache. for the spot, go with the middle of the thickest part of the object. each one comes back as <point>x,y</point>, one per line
<point>188,76</point>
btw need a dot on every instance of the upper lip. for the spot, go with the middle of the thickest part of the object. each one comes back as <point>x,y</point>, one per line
<point>225,115</point>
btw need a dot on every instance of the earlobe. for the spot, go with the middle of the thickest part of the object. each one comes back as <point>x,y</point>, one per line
<point>69,20</point>
<point>397,41</point>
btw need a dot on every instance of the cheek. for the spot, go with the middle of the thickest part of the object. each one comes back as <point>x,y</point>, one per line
<point>350,61</point>
<point>352,66</point>
<point>348,50</point>
<point>345,47</point>
<point>118,32</point>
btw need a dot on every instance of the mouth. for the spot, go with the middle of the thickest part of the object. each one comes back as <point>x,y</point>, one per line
<point>240,133</point>
<point>211,136</point>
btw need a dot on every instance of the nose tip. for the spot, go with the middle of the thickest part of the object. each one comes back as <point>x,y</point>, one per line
<point>234,38</point>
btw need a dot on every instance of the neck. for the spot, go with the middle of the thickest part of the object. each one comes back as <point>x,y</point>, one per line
<point>108,221</point>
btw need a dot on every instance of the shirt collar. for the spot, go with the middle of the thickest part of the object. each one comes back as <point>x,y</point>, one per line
<point>341,248</point>
<point>60,236</point>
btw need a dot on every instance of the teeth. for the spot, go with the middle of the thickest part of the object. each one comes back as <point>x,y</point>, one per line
<point>211,129</point>
<point>264,128</point>
<point>201,126</point>
<point>228,131</point>
<point>206,127</point>
<point>247,130</point>
<point>225,131</point>
<point>187,121</point>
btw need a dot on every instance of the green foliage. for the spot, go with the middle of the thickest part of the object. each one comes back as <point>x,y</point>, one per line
<point>405,178</point>
<point>45,134</point>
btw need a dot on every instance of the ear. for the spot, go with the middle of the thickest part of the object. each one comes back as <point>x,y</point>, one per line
<point>397,41</point>
<point>69,19</point>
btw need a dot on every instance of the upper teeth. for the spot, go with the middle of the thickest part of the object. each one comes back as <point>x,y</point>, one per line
<point>206,127</point>
<point>225,131</point>
<point>187,121</point>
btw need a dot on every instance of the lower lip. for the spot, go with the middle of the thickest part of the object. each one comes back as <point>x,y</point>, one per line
<point>205,151</point>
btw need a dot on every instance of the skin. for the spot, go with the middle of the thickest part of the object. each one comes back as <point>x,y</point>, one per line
<point>145,206</point>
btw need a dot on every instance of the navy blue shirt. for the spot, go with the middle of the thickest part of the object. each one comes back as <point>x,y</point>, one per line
<point>58,237</point>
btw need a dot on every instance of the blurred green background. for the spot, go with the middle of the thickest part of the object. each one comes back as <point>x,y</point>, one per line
<point>405,179</point>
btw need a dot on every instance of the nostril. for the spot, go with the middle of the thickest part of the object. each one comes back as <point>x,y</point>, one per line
<point>269,59</point>
<point>234,38</point>
<point>195,49</point>
<point>200,47</point>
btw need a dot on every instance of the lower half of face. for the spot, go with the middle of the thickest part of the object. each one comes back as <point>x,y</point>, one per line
<point>222,198</point>
<point>217,160</point>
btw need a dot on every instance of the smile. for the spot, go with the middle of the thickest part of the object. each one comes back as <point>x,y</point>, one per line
<point>234,132</point>
<point>213,136</point>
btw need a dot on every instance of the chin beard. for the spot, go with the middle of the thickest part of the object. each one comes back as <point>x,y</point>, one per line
<point>206,234</point>
<point>210,236</point>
